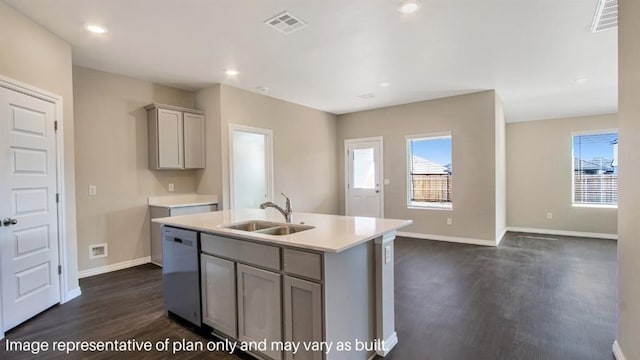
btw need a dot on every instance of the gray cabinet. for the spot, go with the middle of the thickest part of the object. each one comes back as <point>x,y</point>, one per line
<point>276,300</point>
<point>193,128</point>
<point>218,284</point>
<point>176,137</point>
<point>302,316</point>
<point>259,307</point>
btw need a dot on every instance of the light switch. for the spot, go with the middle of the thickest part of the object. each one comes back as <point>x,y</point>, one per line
<point>387,254</point>
<point>92,190</point>
<point>171,187</point>
<point>387,182</point>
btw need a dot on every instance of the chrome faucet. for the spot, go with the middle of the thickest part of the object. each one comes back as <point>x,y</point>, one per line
<point>286,212</point>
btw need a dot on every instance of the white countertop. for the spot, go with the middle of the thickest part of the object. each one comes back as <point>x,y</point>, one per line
<point>183,200</point>
<point>331,233</point>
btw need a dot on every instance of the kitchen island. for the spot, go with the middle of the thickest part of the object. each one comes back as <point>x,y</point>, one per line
<point>320,288</point>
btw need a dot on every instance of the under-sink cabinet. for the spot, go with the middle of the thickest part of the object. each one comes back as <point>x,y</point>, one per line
<point>245,283</point>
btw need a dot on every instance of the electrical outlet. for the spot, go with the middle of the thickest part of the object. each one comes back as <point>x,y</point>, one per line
<point>171,187</point>
<point>549,215</point>
<point>92,190</point>
<point>449,221</point>
<point>387,254</point>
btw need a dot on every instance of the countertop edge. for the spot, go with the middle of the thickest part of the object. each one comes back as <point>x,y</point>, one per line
<point>171,206</point>
<point>272,239</point>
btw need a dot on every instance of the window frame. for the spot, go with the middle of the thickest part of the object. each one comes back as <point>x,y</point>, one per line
<point>408,164</point>
<point>573,174</point>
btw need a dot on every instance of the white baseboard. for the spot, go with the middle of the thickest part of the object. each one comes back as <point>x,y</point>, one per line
<point>563,233</point>
<point>389,343</point>
<point>72,294</point>
<point>501,236</point>
<point>114,267</point>
<point>617,351</point>
<point>448,238</point>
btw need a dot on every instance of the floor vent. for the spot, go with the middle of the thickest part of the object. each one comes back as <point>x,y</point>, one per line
<point>98,251</point>
<point>606,16</point>
<point>286,23</point>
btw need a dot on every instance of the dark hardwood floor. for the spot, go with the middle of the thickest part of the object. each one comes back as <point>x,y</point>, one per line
<point>528,299</point>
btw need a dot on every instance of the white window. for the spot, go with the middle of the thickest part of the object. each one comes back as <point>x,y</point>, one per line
<point>429,171</point>
<point>595,169</point>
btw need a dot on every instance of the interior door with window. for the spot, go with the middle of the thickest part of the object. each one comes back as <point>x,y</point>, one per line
<point>364,178</point>
<point>251,169</point>
<point>28,210</point>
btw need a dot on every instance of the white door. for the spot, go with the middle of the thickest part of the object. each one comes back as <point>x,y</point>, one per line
<point>28,210</point>
<point>364,176</point>
<point>250,165</point>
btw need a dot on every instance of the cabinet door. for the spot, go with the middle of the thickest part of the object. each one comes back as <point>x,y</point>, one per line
<point>218,282</point>
<point>302,316</point>
<point>170,139</point>
<point>193,141</point>
<point>259,307</point>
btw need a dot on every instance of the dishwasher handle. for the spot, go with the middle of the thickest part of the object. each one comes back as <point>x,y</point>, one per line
<point>178,240</point>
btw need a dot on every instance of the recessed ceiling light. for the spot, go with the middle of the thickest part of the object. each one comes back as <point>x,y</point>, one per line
<point>96,29</point>
<point>409,6</point>
<point>384,84</point>
<point>582,80</point>
<point>231,72</point>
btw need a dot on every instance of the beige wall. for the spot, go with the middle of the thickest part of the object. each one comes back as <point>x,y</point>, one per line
<point>539,176</point>
<point>112,153</point>
<point>304,146</point>
<point>32,55</point>
<point>629,191</point>
<point>209,179</point>
<point>472,119</point>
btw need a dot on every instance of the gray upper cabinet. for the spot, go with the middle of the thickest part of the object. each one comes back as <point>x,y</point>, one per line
<point>176,137</point>
<point>193,141</point>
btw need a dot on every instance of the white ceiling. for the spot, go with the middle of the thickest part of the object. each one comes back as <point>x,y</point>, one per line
<point>530,51</point>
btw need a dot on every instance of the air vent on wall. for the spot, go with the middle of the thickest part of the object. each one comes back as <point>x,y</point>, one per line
<point>606,16</point>
<point>286,23</point>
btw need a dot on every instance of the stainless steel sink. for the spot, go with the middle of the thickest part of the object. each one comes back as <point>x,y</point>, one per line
<point>284,229</point>
<point>268,227</point>
<point>252,225</point>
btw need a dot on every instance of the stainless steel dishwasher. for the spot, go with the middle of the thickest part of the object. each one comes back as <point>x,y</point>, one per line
<point>180,276</point>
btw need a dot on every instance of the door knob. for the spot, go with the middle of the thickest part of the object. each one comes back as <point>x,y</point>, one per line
<point>9,221</point>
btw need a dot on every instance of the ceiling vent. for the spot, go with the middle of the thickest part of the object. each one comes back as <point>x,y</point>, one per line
<point>286,23</point>
<point>606,16</point>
